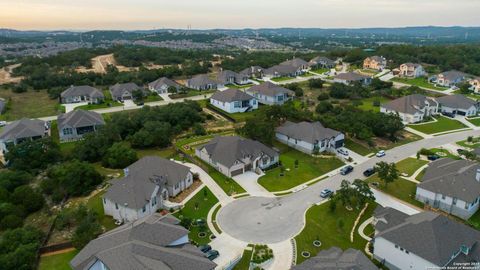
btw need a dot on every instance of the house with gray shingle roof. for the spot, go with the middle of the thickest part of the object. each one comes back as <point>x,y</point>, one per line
<point>234,155</point>
<point>75,124</point>
<point>335,258</point>
<point>270,94</point>
<point>162,85</point>
<point>146,185</point>
<point>233,101</point>
<point>202,82</point>
<point>425,240</point>
<point>411,70</point>
<point>349,78</point>
<point>124,91</point>
<point>309,137</point>
<point>155,242</point>
<point>322,62</point>
<point>448,78</point>
<point>458,104</point>
<point>290,68</point>
<point>82,93</point>
<point>22,130</point>
<point>226,77</point>
<point>452,186</point>
<point>412,108</point>
<point>253,72</point>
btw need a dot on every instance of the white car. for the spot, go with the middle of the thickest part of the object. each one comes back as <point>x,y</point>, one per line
<point>381,153</point>
<point>3,123</point>
<point>343,152</point>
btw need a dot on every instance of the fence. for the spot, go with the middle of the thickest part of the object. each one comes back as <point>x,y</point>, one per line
<point>222,113</point>
<point>56,247</point>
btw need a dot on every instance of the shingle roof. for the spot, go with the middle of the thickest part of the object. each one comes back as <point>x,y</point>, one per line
<point>390,217</point>
<point>409,104</point>
<point>335,258</point>
<point>201,80</point>
<point>414,65</point>
<point>251,70</point>
<point>306,131</point>
<point>82,90</point>
<point>228,149</point>
<point>453,178</point>
<point>379,59</point>
<point>164,81</point>
<point>351,76</point>
<point>224,76</point>
<point>80,118</point>
<point>143,245</point>
<point>281,69</point>
<point>453,75</point>
<point>295,62</point>
<point>457,101</point>
<point>270,89</point>
<point>23,128</point>
<point>231,95</point>
<point>118,89</point>
<point>322,59</point>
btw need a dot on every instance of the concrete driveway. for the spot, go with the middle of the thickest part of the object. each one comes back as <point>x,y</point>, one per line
<point>129,103</point>
<point>70,107</point>
<point>248,181</point>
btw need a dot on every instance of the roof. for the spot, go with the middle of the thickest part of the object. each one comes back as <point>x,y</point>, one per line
<point>335,258</point>
<point>251,70</point>
<point>226,150</point>
<point>80,118</point>
<point>282,69</point>
<point>453,75</point>
<point>410,65</point>
<point>142,177</point>
<point>231,95</point>
<point>225,75</point>
<point>119,88</point>
<point>457,101</point>
<point>158,83</point>
<point>351,76</point>
<point>144,244</point>
<point>295,62</point>
<point>388,217</point>
<point>410,104</point>
<point>377,58</point>
<point>306,131</point>
<point>23,128</point>
<point>82,90</point>
<point>433,237</point>
<point>453,178</point>
<point>270,89</point>
<point>322,59</point>
<point>201,80</point>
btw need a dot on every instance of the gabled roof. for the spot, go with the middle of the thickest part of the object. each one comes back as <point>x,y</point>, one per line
<point>23,128</point>
<point>282,69</point>
<point>322,59</point>
<point>270,89</point>
<point>224,76</point>
<point>388,217</point>
<point>306,131</point>
<point>118,89</point>
<point>295,62</point>
<point>226,150</point>
<point>158,83</point>
<point>80,118</point>
<point>351,76</point>
<point>457,101</point>
<point>376,58</point>
<point>411,65</point>
<point>335,258</point>
<point>144,244</point>
<point>201,80</point>
<point>231,95</point>
<point>453,75</point>
<point>82,90</point>
<point>453,178</point>
<point>410,104</point>
<point>251,70</point>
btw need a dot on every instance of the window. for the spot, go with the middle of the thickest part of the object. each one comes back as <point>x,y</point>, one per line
<point>406,251</point>
<point>154,201</point>
<point>466,206</point>
<point>177,185</point>
<point>443,197</point>
<point>236,104</point>
<point>454,201</point>
<point>401,249</point>
<point>67,131</point>
<point>116,206</point>
<point>144,209</point>
<point>396,246</point>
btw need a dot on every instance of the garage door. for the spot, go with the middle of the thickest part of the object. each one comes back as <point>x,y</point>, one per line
<point>236,172</point>
<point>461,112</point>
<point>248,167</point>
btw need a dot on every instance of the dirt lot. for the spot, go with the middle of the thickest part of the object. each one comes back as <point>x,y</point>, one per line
<point>101,62</point>
<point>6,77</point>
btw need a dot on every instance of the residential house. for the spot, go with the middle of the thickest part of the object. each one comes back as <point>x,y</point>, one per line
<point>163,84</point>
<point>290,68</point>
<point>322,62</point>
<point>336,258</point>
<point>202,82</point>
<point>452,186</point>
<point>73,125</point>
<point>412,108</point>
<point>309,137</point>
<point>475,84</point>
<point>22,130</point>
<point>233,101</point>
<point>83,93</point>
<point>458,104</point>
<point>147,184</point>
<point>411,70</point>
<point>253,72</point>
<point>350,78</point>
<point>270,94</point>
<point>227,77</point>
<point>152,243</point>
<point>448,78</point>
<point>375,62</point>
<point>422,241</point>
<point>234,155</point>
<point>124,91</point>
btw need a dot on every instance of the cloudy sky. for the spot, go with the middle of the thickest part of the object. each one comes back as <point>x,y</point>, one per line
<point>202,14</point>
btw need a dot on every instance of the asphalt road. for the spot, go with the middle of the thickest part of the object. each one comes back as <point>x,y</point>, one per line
<point>272,220</point>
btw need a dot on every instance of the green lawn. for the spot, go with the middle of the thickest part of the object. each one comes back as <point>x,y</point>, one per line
<point>408,137</point>
<point>475,121</point>
<point>367,103</point>
<point>420,175</point>
<point>471,95</point>
<point>410,165</point>
<point>227,184</point>
<point>400,188</point>
<point>237,86</point>
<point>358,148</point>
<point>242,117</point>
<point>161,152</point>
<point>475,143</point>
<point>282,79</point>
<point>95,203</point>
<point>57,261</point>
<point>322,225</point>
<point>152,97</point>
<point>103,105</point>
<point>192,93</point>
<point>244,262</point>
<point>445,152</point>
<point>475,220</point>
<point>443,124</point>
<point>309,168</point>
<point>320,70</point>
<point>420,82</point>
<point>31,104</point>
<point>307,74</point>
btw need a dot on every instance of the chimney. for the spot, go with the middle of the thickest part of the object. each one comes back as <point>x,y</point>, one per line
<point>125,171</point>
<point>477,176</point>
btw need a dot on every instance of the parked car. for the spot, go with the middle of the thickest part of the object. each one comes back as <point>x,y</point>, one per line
<point>342,152</point>
<point>381,153</point>
<point>205,248</point>
<point>433,157</point>
<point>212,254</point>
<point>448,114</point>
<point>3,123</point>
<point>326,193</point>
<point>346,170</point>
<point>369,172</point>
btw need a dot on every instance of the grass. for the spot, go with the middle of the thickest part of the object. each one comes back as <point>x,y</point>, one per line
<point>400,188</point>
<point>237,86</point>
<point>320,70</point>
<point>95,204</point>
<point>445,152</point>
<point>31,104</point>
<point>475,121</point>
<point>214,218</point>
<point>420,82</point>
<point>102,105</point>
<point>227,184</point>
<point>152,97</point>
<point>410,165</point>
<point>420,175</point>
<point>161,152</point>
<point>191,93</point>
<point>471,95</point>
<point>442,124</point>
<point>474,220</point>
<point>367,103</point>
<point>242,117</point>
<point>282,79</point>
<point>475,143</point>
<point>358,148</point>
<point>58,261</point>
<point>309,168</point>
<point>408,138</point>
<point>244,262</point>
<point>323,225</point>
<point>307,74</point>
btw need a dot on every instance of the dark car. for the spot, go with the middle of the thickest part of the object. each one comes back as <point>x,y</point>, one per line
<point>369,172</point>
<point>205,248</point>
<point>346,170</point>
<point>451,115</point>
<point>432,157</point>
<point>212,254</point>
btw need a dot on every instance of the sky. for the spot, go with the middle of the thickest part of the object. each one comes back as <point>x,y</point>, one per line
<point>207,14</point>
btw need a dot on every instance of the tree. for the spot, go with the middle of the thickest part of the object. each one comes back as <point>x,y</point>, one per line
<point>362,193</point>
<point>344,194</point>
<point>138,95</point>
<point>33,155</point>
<point>120,155</point>
<point>28,197</point>
<point>18,248</point>
<point>11,222</point>
<point>199,130</point>
<point>260,129</point>
<point>87,230</point>
<point>323,96</point>
<point>386,172</point>
<point>332,204</point>
<point>323,107</point>
<point>315,83</point>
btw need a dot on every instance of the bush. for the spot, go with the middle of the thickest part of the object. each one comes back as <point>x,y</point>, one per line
<point>323,96</point>
<point>119,156</point>
<point>11,222</point>
<point>426,152</point>
<point>323,107</point>
<point>29,198</point>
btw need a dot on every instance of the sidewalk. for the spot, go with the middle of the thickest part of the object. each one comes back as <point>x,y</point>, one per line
<point>282,256</point>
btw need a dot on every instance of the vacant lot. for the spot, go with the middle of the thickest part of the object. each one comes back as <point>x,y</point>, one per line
<point>410,165</point>
<point>400,188</point>
<point>358,147</point>
<point>420,82</point>
<point>31,104</point>
<point>367,104</point>
<point>442,124</point>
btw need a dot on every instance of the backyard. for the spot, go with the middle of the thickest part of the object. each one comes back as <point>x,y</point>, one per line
<point>400,188</point>
<point>368,104</point>
<point>95,204</point>
<point>442,124</point>
<point>57,261</point>
<point>420,82</point>
<point>409,166</point>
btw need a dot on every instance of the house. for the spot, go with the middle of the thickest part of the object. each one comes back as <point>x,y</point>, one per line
<point>162,85</point>
<point>233,101</point>
<point>253,72</point>
<point>124,91</point>
<point>234,155</point>
<point>375,62</point>
<point>452,186</point>
<point>226,77</point>
<point>335,258</point>
<point>422,241</point>
<point>475,84</point>
<point>22,130</point>
<point>309,137</point>
<point>458,104</point>
<point>412,108</point>
<point>322,62</point>
<point>448,78</point>
<point>270,94</point>
<point>146,185</point>
<point>290,68</point>
<point>73,125</point>
<point>152,243</point>
<point>411,70</point>
<point>350,78</point>
<point>202,82</point>
<point>83,93</point>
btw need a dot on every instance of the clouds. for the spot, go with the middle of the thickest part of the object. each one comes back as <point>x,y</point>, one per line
<point>147,14</point>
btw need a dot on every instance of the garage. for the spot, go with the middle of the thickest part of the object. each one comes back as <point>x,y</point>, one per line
<point>236,172</point>
<point>248,167</point>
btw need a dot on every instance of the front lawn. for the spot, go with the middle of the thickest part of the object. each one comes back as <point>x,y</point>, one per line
<point>400,188</point>
<point>238,86</point>
<point>442,124</point>
<point>358,148</point>
<point>474,144</point>
<point>308,168</point>
<point>244,262</point>
<point>57,261</point>
<point>227,184</point>
<point>191,93</point>
<point>420,82</point>
<point>307,74</point>
<point>282,79</point>
<point>444,153</point>
<point>475,121</point>
<point>475,220</point>
<point>410,165</point>
<point>103,105</point>
<point>320,70</point>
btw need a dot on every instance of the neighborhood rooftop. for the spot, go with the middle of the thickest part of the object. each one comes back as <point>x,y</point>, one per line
<point>80,118</point>
<point>335,258</point>
<point>201,79</point>
<point>306,131</point>
<point>457,101</point>
<point>118,89</point>
<point>83,90</point>
<point>351,76</point>
<point>230,95</point>
<point>23,128</point>
<point>409,104</point>
<point>164,81</point>
<point>270,89</point>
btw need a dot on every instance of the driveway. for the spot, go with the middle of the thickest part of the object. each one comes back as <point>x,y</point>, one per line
<point>71,106</point>
<point>129,103</point>
<point>248,181</point>
<point>230,250</point>
<point>165,97</point>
